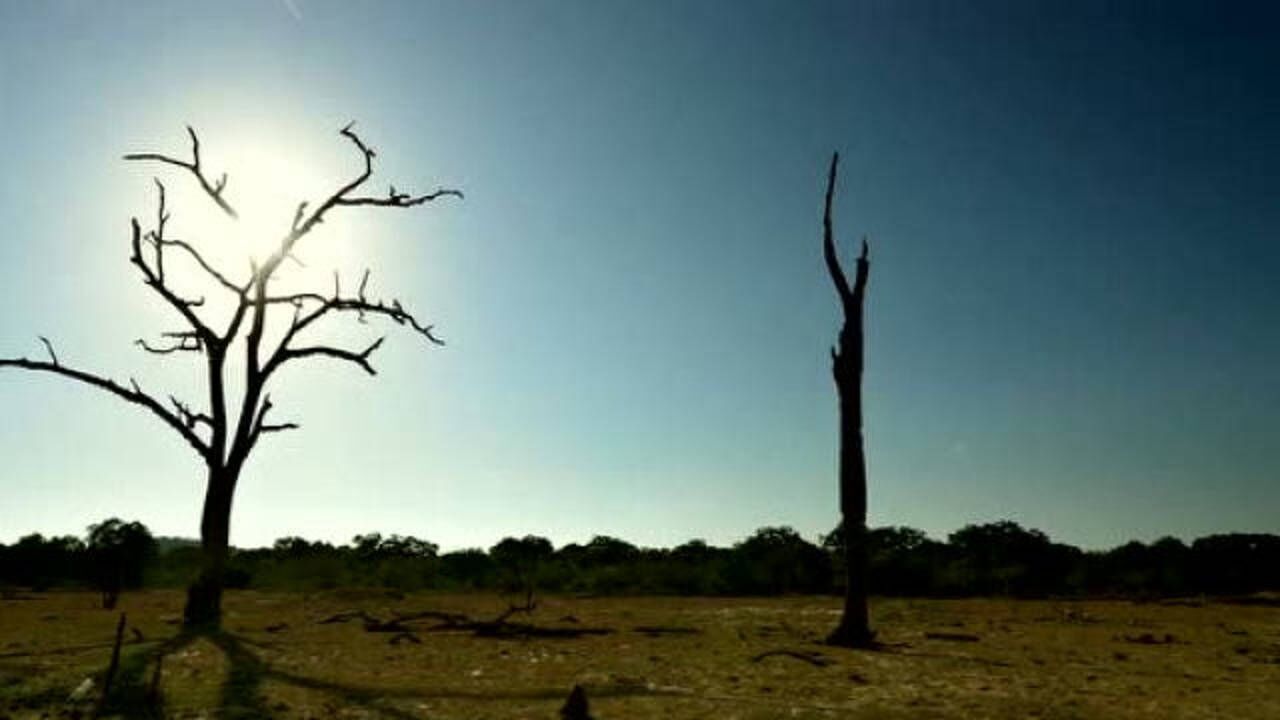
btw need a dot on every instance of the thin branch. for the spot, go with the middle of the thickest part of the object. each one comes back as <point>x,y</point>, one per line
<point>828,241</point>
<point>361,305</point>
<point>304,223</point>
<point>189,417</point>
<point>400,200</point>
<point>860,274</point>
<point>261,425</point>
<point>296,299</point>
<point>214,190</point>
<point>221,278</point>
<point>183,344</point>
<point>134,394</point>
<point>154,277</point>
<point>49,347</point>
<point>359,358</point>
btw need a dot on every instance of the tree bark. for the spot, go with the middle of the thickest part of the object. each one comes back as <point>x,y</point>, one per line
<point>204,595</point>
<point>854,629</point>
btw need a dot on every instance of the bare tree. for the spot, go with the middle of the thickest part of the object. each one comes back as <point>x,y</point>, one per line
<point>854,629</point>
<point>227,430</point>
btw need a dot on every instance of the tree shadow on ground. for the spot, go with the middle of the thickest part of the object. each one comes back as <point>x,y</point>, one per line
<point>135,694</point>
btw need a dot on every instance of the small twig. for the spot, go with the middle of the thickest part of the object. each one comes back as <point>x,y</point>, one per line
<point>49,347</point>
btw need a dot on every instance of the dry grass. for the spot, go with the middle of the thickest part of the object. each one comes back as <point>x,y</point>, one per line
<point>1030,659</point>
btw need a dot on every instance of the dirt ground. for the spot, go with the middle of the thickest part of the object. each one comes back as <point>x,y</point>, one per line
<point>661,657</point>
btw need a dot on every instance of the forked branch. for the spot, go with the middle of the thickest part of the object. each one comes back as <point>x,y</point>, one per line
<point>214,190</point>
<point>361,305</point>
<point>360,358</point>
<point>850,299</point>
<point>261,426</point>
<point>153,272</point>
<point>303,222</point>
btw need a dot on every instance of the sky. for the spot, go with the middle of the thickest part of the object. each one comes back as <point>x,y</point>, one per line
<point>1071,316</point>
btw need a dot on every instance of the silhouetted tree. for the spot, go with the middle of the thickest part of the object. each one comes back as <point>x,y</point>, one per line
<point>38,562</point>
<point>1005,558</point>
<point>900,560</point>
<point>470,568</point>
<point>854,629</point>
<point>1236,562</point>
<point>227,430</point>
<point>605,550</point>
<point>777,560</point>
<point>118,553</point>
<point>519,560</point>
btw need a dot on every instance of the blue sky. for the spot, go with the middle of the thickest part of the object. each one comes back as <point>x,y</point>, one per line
<point>1072,312</point>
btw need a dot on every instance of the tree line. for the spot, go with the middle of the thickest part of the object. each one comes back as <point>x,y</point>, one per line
<point>1000,558</point>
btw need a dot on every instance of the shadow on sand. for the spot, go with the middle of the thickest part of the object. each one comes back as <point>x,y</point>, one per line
<point>138,692</point>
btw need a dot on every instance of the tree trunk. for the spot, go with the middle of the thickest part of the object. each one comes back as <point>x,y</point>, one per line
<point>846,367</point>
<point>204,595</point>
<point>855,626</point>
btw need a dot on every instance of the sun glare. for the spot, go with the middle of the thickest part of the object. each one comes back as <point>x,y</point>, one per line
<point>267,191</point>
<point>265,187</point>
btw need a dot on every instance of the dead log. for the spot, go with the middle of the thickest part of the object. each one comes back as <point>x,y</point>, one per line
<point>813,658</point>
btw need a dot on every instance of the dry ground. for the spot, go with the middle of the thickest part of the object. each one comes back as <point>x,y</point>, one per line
<point>942,659</point>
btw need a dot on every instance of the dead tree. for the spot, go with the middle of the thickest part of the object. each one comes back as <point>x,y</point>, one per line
<point>846,366</point>
<point>228,428</point>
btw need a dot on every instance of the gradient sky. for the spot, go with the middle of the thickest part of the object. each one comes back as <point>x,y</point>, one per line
<point>1073,312</point>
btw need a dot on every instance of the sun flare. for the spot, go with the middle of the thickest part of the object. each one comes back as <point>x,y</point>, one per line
<point>266,188</point>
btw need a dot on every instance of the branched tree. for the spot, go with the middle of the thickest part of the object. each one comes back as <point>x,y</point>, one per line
<point>227,430</point>
<point>854,629</point>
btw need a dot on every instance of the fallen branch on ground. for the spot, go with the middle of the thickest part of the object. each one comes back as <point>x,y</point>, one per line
<point>953,637</point>
<point>813,658</point>
<point>656,630</point>
<point>499,627</point>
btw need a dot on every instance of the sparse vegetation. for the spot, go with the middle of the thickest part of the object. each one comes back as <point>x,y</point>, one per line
<point>993,559</point>
<point>748,658</point>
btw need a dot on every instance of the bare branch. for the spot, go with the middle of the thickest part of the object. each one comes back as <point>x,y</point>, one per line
<point>261,426</point>
<point>828,242</point>
<point>299,214</point>
<point>395,199</point>
<point>359,358</point>
<point>189,417</point>
<point>179,342</point>
<point>155,279</point>
<point>213,272</point>
<point>303,223</point>
<point>214,191</point>
<point>134,394</point>
<point>860,274</point>
<point>296,299</point>
<point>362,306</point>
<point>49,347</point>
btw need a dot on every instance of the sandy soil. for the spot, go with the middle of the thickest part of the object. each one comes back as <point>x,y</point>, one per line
<point>662,657</point>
